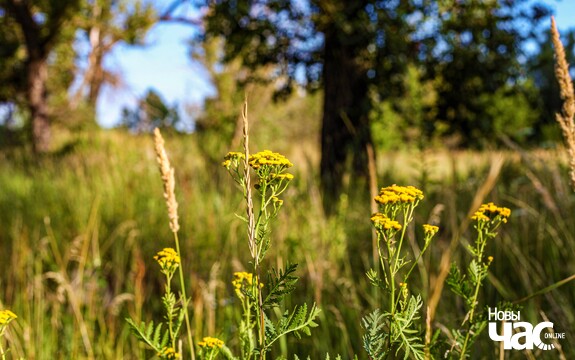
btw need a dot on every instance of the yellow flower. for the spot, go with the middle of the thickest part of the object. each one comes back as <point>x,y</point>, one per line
<point>398,194</point>
<point>234,155</point>
<point>490,211</point>
<point>232,158</point>
<point>168,258</point>
<point>240,277</point>
<point>490,258</point>
<point>210,342</point>
<point>430,230</point>
<point>6,316</point>
<point>169,353</point>
<point>268,158</point>
<point>382,222</point>
<point>282,176</point>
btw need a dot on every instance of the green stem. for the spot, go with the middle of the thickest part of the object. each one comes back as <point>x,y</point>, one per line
<point>416,260</point>
<point>2,351</point>
<point>185,300</point>
<point>170,312</point>
<point>391,278</point>
<point>480,248</point>
<point>462,355</point>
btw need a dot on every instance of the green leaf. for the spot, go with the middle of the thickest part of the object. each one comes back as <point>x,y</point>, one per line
<point>279,284</point>
<point>146,334</point>
<point>298,322</point>
<point>374,340</point>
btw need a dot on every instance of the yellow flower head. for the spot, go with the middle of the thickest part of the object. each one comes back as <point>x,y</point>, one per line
<point>231,158</point>
<point>490,258</point>
<point>430,230</point>
<point>234,155</point>
<point>490,211</point>
<point>240,278</point>
<point>282,176</point>
<point>6,316</point>
<point>268,158</point>
<point>210,342</point>
<point>167,258</point>
<point>382,222</point>
<point>169,353</point>
<point>398,194</point>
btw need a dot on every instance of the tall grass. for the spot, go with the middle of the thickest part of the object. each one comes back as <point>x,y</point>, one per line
<point>77,230</point>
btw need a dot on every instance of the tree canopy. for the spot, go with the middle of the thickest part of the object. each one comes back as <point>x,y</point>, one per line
<point>358,52</point>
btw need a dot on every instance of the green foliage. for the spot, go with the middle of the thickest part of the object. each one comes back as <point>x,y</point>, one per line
<point>281,284</point>
<point>151,112</point>
<point>124,232</point>
<point>487,221</point>
<point>395,332</point>
<point>407,337</point>
<point>475,54</point>
<point>150,335</point>
<point>375,339</point>
<point>406,120</point>
<point>298,322</point>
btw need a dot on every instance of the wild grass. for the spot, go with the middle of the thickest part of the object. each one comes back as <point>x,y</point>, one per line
<point>566,118</point>
<point>77,233</point>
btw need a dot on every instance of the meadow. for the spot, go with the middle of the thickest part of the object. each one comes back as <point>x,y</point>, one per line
<point>79,229</point>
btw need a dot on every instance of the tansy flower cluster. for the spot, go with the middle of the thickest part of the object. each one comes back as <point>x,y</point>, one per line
<point>382,222</point>
<point>430,230</point>
<point>490,211</point>
<point>232,156</point>
<point>240,277</point>
<point>168,259</point>
<point>169,353</point>
<point>287,176</point>
<point>210,342</point>
<point>398,194</point>
<point>269,158</point>
<point>6,316</point>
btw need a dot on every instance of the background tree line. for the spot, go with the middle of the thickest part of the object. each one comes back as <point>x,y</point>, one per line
<point>391,73</point>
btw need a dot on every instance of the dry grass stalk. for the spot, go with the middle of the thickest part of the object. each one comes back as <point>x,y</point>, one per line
<point>566,117</point>
<point>167,172</point>
<point>248,194</point>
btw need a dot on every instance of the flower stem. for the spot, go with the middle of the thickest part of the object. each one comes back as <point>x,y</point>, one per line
<point>184,299</point>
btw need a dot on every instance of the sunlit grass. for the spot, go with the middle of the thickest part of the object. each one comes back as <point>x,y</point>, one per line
<point>77,232</point>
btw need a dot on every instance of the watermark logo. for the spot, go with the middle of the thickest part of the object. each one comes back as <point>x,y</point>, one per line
<point>520,335</point>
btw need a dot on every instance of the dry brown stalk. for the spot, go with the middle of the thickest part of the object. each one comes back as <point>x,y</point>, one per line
<point>566,117</point>
<point>248,194</point>
<point>167,172</point>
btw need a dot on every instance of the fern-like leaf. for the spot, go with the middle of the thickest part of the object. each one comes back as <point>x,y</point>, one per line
<point>280,283</point>
<point>298,322</point>
<point>375,338</point>
<point>147,333</point>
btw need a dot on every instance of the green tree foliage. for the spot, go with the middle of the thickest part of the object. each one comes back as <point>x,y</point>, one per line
<point>358,52</point>
<point>342,47</point>
<point>477,52</point>
<point>36,28</point>
<point>40,56</point>
<point>151,112</point>
<point>104,24</point>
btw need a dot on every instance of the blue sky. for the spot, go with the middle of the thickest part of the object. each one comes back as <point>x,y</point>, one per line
<point>165,65</point>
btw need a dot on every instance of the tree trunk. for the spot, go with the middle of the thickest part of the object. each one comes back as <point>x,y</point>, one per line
<point>37,73</point>
<point>345,129</point>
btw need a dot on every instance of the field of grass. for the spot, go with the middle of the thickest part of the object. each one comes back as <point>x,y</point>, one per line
<point>78,231</point>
